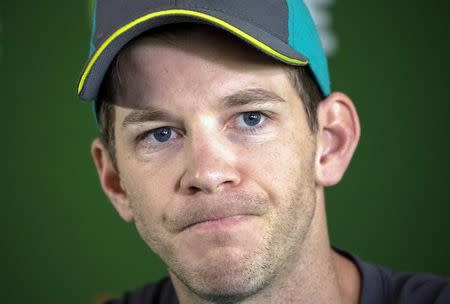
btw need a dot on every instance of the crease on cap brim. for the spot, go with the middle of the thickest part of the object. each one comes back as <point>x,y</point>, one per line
<point>98,63</point>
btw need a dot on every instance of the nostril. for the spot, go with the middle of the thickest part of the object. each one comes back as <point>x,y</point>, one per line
<point>208,183</point>
<point>193,190</point>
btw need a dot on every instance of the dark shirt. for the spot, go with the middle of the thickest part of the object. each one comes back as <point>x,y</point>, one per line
<point>379,285</point>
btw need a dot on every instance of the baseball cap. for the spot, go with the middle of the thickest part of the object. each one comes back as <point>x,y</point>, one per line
<point>283,29</point>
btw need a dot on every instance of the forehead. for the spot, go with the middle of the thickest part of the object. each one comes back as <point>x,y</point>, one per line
<point>201,62</point>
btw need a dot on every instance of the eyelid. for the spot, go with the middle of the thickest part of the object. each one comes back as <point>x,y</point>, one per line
<point>143,135</point>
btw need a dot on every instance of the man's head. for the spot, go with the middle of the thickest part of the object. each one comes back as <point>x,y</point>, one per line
<point>206,129</point>
<point>219,154</point>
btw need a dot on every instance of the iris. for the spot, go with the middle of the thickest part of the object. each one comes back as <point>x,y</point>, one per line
<point>162,134</point>
<point>252,118</point>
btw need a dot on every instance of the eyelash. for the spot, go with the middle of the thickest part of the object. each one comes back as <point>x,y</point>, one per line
<point>249,130</point>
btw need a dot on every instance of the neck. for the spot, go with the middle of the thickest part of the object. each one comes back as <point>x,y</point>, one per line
<point>315,274</point>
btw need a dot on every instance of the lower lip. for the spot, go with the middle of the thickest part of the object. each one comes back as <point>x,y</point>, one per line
<point>220,224</point>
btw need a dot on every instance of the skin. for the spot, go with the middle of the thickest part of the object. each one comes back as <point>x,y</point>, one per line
<point>235,211</point>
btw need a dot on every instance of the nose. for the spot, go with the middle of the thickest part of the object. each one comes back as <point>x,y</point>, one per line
<point>210,166</point>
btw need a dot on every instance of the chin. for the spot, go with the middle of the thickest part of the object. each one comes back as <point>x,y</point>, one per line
<point>225,276</point>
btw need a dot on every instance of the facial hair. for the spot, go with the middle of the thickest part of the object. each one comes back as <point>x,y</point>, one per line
<point>233,278</point>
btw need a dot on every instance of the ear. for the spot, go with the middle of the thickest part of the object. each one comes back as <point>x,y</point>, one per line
<point>337,138</point>
<point>110,180</point>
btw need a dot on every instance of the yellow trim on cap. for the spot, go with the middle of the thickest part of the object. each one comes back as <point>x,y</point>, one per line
<point>183,12</point>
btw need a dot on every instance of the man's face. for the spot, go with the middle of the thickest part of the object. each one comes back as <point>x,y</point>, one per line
<point>216,157</point>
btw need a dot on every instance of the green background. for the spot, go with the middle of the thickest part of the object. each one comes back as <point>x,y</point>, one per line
<point>63,243</point>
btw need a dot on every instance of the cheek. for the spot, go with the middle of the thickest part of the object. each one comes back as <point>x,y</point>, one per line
<point>148,200</point>
<point>150,191</point>
<point>149,181</point>
<point>279,165</point>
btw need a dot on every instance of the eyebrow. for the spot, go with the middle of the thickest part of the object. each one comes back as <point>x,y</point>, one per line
<point>251,97</point>
<point>240,98</point>
<point>149,114</point>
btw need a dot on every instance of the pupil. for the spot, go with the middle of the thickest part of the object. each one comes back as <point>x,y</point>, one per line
<point>162,134</point>
<point>252,119</point>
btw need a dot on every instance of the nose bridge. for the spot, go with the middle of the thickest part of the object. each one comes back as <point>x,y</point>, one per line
<point>210,153</point>
<point>207,142</point>
<point>210,159</point>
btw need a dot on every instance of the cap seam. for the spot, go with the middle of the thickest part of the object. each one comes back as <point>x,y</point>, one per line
<point>259,25</point>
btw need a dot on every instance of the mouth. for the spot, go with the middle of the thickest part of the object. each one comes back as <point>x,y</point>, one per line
<point>229,211</point>
<point>218,223</point>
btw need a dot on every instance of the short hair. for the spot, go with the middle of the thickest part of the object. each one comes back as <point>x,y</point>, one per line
<point>302,79</point>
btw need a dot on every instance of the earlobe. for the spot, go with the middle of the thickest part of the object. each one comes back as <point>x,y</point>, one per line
<point>337,138</point>
<point>110,180</point>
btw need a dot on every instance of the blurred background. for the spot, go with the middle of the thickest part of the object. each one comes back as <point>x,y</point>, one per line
<point>62,242</point>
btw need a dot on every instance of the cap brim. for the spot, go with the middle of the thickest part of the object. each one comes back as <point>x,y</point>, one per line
<point>100,60</point>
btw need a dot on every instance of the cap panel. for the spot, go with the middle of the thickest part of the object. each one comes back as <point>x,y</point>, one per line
<point>257,37</point>
<point>303,37</point>
<point>272,16</point>
<point>112,14</point>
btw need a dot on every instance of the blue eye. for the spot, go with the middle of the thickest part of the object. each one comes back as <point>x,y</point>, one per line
<point>162,134</point>
<point>159,138</point>
<point>252,118</point>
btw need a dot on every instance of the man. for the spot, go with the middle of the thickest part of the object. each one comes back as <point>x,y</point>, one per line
<point>219,132</point>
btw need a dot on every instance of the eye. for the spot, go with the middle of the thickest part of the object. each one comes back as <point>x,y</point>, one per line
<point>250,119</point>
<point>156,137</point>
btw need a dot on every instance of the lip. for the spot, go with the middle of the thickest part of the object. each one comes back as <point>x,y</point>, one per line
<point>221,223</point>
<point>219,212</point>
